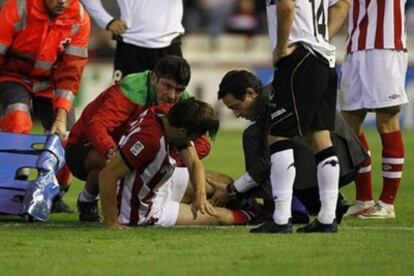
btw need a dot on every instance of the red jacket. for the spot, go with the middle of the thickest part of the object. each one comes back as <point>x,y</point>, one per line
<point>105,119</point>
<point>45,55</point>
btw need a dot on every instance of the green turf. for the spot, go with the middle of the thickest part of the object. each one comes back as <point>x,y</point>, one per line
<point>65,247</point>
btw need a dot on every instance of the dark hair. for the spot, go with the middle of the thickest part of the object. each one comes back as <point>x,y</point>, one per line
<point>236,82</point>
<point>173,67</point>
<point>195,116</point>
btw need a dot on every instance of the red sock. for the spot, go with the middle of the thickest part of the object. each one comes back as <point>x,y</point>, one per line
<point>363,180</point>
<point>240,217</point>
<point>392,165</point>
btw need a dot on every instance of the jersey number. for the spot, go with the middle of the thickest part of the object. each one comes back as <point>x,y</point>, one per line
<point>319,22</point>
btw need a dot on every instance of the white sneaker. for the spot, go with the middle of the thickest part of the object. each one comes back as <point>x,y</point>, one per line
<point>359,208</point>
<point>380,211</point>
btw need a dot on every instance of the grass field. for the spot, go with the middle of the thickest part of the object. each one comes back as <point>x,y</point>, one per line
<point>65,247</point>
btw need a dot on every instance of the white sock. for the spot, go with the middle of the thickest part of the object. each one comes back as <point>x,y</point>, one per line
<point>244,183</point>
<point>282,176</point>
<point>328,181</point>
<point>85,196</point>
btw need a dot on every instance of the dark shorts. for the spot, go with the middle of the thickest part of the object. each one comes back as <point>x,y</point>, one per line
<point>43,109</point>
<point>75,156</point>
<point>11,93</point>
<point>132,59</point>
<point>304,95</point>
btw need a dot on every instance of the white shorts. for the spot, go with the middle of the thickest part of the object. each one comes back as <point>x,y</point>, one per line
<point>166,203</point>
<point>373,79</point>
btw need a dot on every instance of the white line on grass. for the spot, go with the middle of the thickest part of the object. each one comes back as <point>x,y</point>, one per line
<point>390,228</point>
<point>402,228</point>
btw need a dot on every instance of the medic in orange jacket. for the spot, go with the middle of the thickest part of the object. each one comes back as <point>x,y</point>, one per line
<point>44,54</point>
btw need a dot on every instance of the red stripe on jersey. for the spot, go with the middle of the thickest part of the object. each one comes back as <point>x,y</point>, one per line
<point>148,200</point>
<point>376,24</point>
<point>159,175</point>
<point>152,220</point>
<point>363,27</point>
<point>355,13</point>
<point>397,25</point>
<point>135,202</point>
<point>153,183</point>
<point>379,34</point>
<point>119,195</point>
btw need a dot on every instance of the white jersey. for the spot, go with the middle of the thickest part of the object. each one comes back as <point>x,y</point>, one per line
<point>151,23</point>
<point>376,24</point>
<point>310,26</point>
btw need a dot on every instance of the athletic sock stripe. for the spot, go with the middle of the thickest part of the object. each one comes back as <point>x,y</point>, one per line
<point>391,160</point>
<point>324,154</point>
<point>365,169</point>
<point>391,174</point>
<point>281,146</point>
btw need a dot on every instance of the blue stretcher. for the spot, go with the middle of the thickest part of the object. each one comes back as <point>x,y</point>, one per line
<point>29,199</point>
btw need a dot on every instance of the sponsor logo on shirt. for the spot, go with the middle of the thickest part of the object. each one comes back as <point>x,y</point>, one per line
<point>394,96</point>
<point>277,113</point>
<point>136,148</point>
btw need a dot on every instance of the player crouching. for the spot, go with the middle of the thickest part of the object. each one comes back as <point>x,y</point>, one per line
<point>141,185</point>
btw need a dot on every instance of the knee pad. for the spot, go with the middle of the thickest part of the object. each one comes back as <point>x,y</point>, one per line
<point>17,121</point>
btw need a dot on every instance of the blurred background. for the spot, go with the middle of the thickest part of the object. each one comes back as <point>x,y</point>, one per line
<point>220,35</point>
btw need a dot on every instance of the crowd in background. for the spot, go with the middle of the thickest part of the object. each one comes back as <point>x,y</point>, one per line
<point>214,17</point>
<point>211,17</point>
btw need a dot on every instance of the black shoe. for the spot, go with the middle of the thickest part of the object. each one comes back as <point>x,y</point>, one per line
<point>236,200</point>
<point>272,227</point>
<point>88,211</point>
<point>59,206</point>
<point>318,227</point>
<point>261,218</point>
<point>299,218</point>
<point>341,207</point>
<point>253,209</point>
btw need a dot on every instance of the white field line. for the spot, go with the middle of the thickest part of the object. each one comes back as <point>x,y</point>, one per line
<point>344,227</point>
<point>375,228</point>
<point>384,227</point>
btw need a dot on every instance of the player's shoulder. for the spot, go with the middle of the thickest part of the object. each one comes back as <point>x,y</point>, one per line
<point>148,122</point>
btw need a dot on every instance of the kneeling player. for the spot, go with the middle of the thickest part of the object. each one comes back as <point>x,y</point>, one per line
<point>131,184</point>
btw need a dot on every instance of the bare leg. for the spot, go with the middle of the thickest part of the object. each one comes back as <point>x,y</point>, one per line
<point>354,119</point>
<point>223,217</point>
<point>93,165</point>
<point>388,119</point>
<point>222,179</point>
<point>92,184</point>
<point>219,183</point>
<point>94,161</point>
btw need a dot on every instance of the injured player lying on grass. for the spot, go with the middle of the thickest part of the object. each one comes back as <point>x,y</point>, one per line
<point>141,186</point>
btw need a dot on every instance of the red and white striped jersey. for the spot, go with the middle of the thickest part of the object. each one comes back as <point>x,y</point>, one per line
<point>310,26</point>
<point>145,151</point>
<point>376,24</point>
